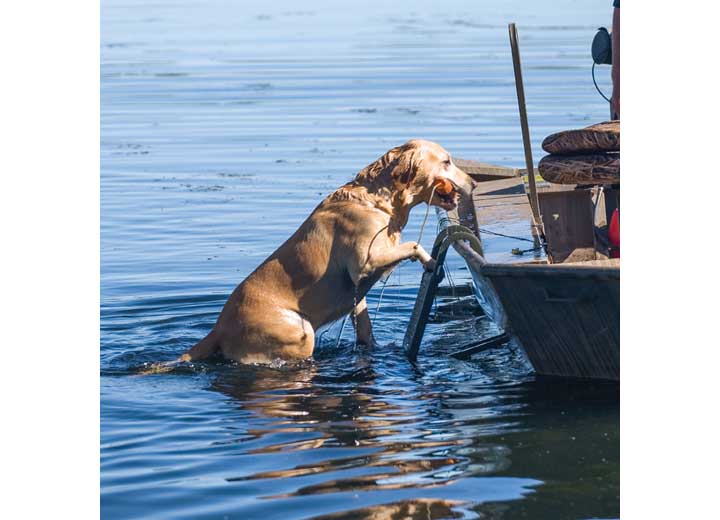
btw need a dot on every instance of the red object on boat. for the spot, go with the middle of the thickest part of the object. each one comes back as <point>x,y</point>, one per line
<point>614,234</point>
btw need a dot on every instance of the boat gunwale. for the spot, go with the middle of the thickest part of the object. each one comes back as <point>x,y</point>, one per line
<point>575,270</point>
<point>478,263</point>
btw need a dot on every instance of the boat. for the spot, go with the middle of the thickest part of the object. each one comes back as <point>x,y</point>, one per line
<point>558,296</point>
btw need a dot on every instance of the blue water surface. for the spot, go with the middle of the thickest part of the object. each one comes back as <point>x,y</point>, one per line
<point>223,124</point>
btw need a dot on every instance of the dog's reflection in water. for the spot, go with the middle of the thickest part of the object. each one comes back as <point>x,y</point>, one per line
<point>411,509</point>
<point>343,410</point>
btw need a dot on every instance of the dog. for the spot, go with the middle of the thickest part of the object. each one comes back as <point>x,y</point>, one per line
<point>324,270</point>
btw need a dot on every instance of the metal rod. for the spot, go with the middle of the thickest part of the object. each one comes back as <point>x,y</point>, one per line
<point>468,350</point>
<point>534,206</point>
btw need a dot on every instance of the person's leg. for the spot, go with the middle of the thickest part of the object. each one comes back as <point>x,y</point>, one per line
<point>615,100</point>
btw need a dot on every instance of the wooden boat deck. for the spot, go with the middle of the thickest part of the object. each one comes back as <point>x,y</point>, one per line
<point>497,210</point>
<point>482,172</point>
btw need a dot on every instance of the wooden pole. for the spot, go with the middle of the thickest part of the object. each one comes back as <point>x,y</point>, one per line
<point>534,205</point>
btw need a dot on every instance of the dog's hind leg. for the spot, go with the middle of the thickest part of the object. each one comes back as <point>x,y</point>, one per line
<point>203,349</point>
<point>363,325</point>
<point>270,333</point>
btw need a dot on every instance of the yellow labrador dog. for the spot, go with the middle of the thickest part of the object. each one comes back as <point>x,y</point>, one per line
<point>324,270</point>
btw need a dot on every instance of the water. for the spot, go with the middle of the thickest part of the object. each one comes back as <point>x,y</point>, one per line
<point>223,125</point>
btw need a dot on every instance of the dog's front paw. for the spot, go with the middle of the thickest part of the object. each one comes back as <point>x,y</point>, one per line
<point>421,254</point>
<point>427,261</point>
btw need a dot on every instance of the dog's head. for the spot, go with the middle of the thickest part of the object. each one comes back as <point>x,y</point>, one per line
<point>423,171</point>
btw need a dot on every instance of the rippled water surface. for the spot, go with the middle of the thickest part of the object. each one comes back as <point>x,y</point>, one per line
<point>223,125</point>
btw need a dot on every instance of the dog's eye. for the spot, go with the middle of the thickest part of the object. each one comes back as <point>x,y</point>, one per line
<point>446,162</point>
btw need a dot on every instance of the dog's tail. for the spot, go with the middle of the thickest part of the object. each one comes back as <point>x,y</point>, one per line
<point>206,347</point>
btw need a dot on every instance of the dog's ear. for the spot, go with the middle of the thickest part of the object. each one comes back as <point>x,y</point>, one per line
<point>398,165</point>
<point>405,162</point>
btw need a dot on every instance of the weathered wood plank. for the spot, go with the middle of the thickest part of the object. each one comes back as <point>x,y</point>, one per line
<point>568,222</point>
<point>579,270</point>
<point>605,262</point>
<point>511,186</point>
<point>502,203</point>
<point>480,171</point>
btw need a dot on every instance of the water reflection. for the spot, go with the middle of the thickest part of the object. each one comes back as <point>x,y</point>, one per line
<point>415,509</point>
<point>364,431</point>
<point>382,429</point>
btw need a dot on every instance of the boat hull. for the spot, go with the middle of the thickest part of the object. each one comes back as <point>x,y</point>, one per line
<point>566,317</point>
